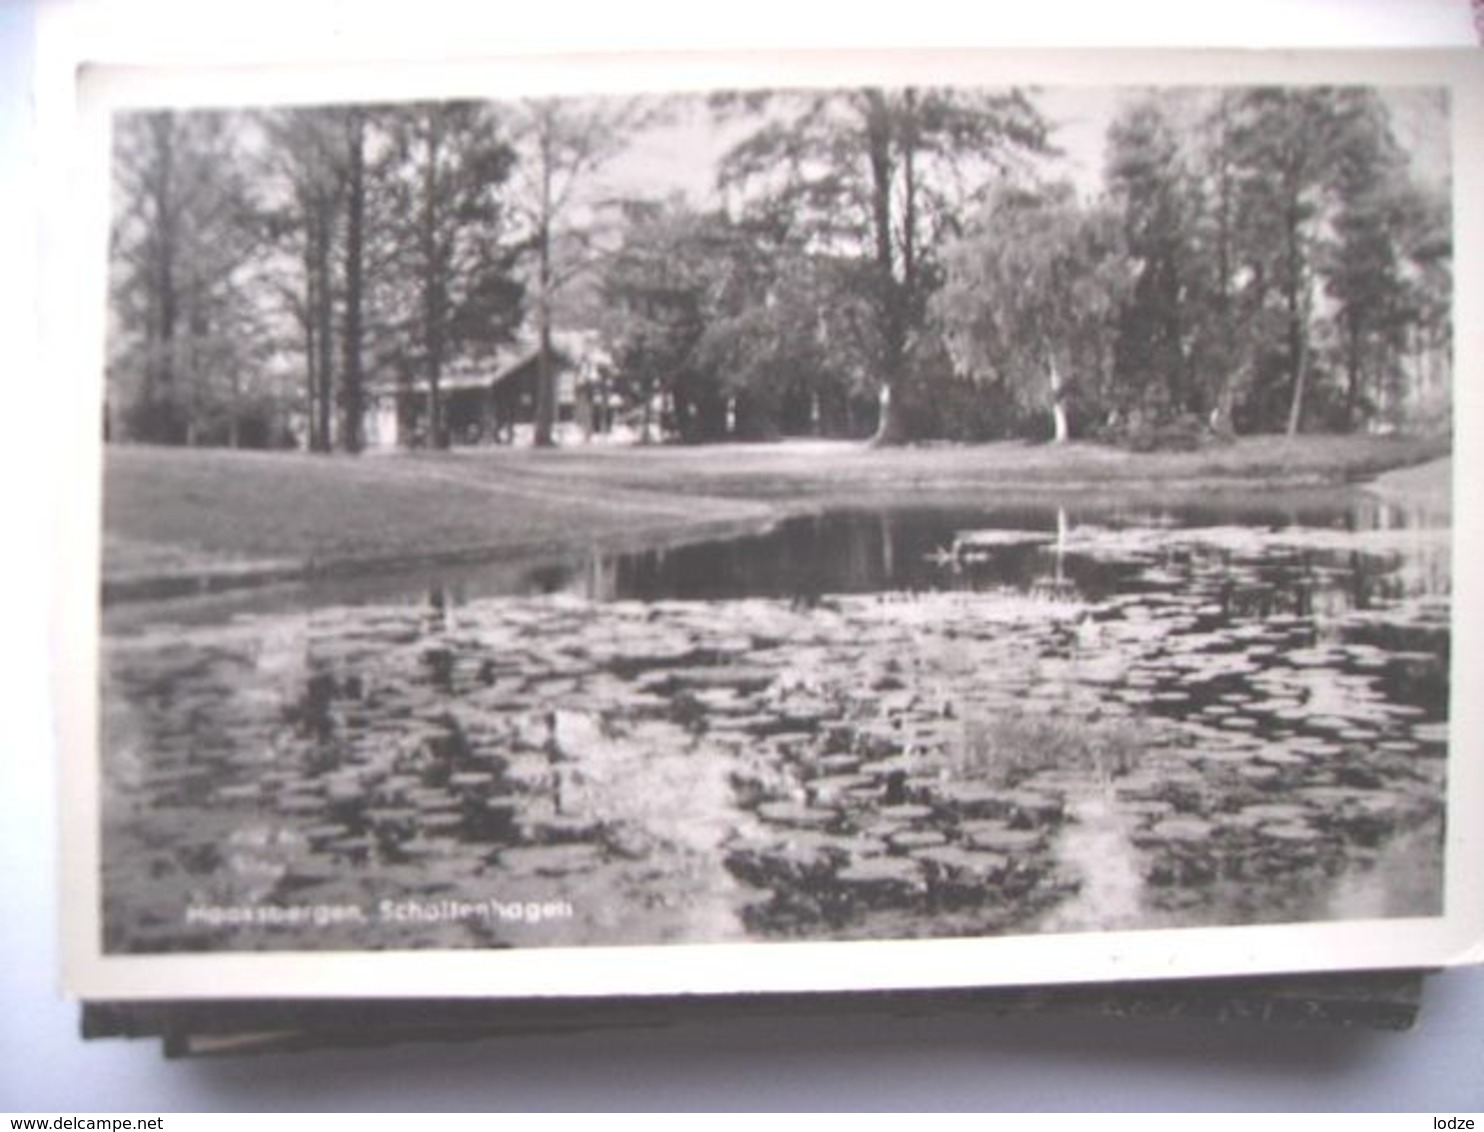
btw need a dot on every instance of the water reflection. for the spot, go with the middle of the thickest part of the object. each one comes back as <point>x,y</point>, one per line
<point>1033,718</point>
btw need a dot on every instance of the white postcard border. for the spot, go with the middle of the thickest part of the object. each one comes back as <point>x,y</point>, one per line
<point>76,173</point>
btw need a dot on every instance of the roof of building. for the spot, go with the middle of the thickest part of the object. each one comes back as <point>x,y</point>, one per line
<point>570,349</point>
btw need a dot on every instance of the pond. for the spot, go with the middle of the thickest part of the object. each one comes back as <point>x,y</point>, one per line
<point>1014,719</point>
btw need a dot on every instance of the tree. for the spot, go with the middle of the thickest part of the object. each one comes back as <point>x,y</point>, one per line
<point>877,176</point>
<point>454,258</point>
<point>787,359</point>
<point>562,143</point>
<point>658,290</point>
<point>1031,300</point>
<point>185,249</point>
<point>739,332</point>
<point>1219,354</point>
<point>353,378</point>
<point>305,155</point>
<point>1285,143</point>
<point>323,215</point>
<point>1318,212</point>
<point>1156,203</point>
<point>1421,390</point>
<point>1376,210</point>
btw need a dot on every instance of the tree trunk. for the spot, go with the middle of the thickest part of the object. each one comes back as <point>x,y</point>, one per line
<point>234,421</point>
<point>160,384</point>
<point>311,355</point>
<point>890,426</point>
<point>909,194</point>
<point>324,317</point>
<point>544,434</point>
<point>1296,408</point>
<point>1221,415</point>
<point>1228,367</point>
<point>353,380</point>
<point>546,407</point>
<point>1298,331</point>
<point>1298,339</point>
<point>432,292</point>
<point>1354,376</point>
<point>1060,431</point>
<point>1182,397</point>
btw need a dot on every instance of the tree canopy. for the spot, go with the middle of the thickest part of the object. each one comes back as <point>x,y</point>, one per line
<point>879,178</point>
<point>1032,300</point>
<point>899,264</point>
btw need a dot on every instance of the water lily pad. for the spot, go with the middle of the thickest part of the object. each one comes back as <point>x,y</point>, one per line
<point>1260,774</point>
<point>1398,746</point>
<point>882,875</point>
<point>1027,807</point>
<point>560,829</point>
<point>435,821</point>
<point>321,835</point>
<point>1149,810</point>
<point>471,780</point>
<point>1290,832</point>
<point>297,804</point>
<point>905,813</point>
<point>1000,838</point>
<point>1278,813</point>
<point>1279,757</point>
<point>838,764</point>
<point>831,788</point>
<point>1182,829</point>
<point>974,799</point>
<point>352,846</point>
<point>796,813</point>
<point>1430,732</point>
<point>547,860</point>
<point>910,839</point>
<point>966,866</point>
<point>882,768</point>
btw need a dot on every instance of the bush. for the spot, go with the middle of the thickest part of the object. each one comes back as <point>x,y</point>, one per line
<point>1186,433</point>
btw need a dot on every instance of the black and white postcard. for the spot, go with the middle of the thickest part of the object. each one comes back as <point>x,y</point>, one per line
<point>720,523</point>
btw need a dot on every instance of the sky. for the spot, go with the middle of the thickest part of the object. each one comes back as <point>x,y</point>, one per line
<point>681,156</point>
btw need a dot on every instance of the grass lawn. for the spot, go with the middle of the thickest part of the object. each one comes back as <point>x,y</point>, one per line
<point>175,514</point>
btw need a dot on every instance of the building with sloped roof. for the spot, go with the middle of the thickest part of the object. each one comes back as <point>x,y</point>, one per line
<point>496,404</point>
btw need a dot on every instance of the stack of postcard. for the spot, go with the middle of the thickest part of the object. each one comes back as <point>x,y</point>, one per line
<point>594,540</point>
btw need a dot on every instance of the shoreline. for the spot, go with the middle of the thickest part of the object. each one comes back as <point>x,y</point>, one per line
<point>1429,485</point>
<point>510,506</point>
